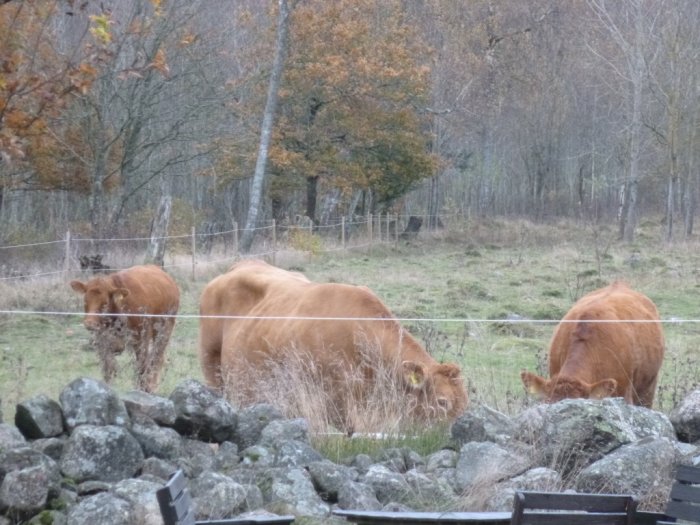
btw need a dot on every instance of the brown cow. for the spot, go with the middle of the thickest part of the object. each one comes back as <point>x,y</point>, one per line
<point>618,358</point>
<point>137,290</point>
<point>238,355</point>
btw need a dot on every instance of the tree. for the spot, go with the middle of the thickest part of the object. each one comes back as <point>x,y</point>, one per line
<point>150,113</point>
<point>631,40</point>
<point>38,78</point>
<point>266,128</point>
<point>352,106</point>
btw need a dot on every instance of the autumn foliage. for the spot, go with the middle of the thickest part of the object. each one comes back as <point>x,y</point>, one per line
<point>36,77</point>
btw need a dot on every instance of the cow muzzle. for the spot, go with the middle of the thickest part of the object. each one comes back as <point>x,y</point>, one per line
<point>92,323</point>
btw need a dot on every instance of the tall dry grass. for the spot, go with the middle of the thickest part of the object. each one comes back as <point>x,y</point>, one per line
<point>369,396</point>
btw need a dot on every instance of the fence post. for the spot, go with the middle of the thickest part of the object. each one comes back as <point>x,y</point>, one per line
<point>274,241</point>
<point>66,260</point>
<point>342,232</point>
<point>194,251</point>
<point>235,239</point>
<point>369,228</point>
<point>396,231</point>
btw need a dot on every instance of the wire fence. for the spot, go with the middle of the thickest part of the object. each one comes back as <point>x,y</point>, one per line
<point>205,246</point>
<point>490,362</point>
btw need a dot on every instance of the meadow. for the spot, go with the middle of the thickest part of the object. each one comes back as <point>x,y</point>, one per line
<point>486,294</point>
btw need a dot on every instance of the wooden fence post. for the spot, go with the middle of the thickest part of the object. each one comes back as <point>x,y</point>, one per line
<point>194,252</point>
<point>66,260</point>
<point>342,232</point>
<point>274,241</point>
<point>369,228</point>
<point>235,238</point>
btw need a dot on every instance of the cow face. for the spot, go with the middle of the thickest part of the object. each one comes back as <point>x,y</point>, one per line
<point>558,388</point>
<point>439,389</point>
<point>100,297</point>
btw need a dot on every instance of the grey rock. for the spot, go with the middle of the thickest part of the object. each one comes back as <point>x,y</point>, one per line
<point>481,423</point>
<point>388,485</point>
<point>284,429</point>
<point>293,453</point>
<point>226,457</point>
<point>328,477</point>
<point>157,468</point>
<point>52,447</point>
<point>197,457</point>
<point>156,441</point>
<point>141,495</point>
<point>86,401</point>
<point>441,459</point>
<point>487,462</point>
<point>251,422</point>
<point>574,433</point>
<point>108,453</point>
<point>39,417</point>
<point>257,456</point>
<point>356,495</point>
<point>685,417</point>
<point>159,409</point>
<point>293,487</point>
<point>10,437</point>
<point>430,492</point>
<point>400,459</point>
<point>201,413</point>
<point>217,496</point>
<point>29,480</point>
<point>103,508</point>
<point>639,468</point>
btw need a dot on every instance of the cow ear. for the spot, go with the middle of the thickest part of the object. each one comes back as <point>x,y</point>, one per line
<point>118,295</point>
<point>534,384</point>
<point>413,374</point>
<point>604,388</point>
<point>449,370</point>
<point>78,286</point>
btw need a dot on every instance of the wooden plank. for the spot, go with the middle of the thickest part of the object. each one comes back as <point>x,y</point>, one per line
<point>582,502</point>
<point>415,518</point>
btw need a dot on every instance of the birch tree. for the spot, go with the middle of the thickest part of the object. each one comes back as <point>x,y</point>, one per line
<point>256,191</point>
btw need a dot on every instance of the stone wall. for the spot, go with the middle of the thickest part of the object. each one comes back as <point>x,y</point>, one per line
<point>95,456</point>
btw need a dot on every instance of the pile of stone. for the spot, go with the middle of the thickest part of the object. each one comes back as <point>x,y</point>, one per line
<point>95,456</point>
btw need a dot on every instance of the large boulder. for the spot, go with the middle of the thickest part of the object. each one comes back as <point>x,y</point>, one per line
<point>87,401</point>
<point>572,434</point>
<point>108,453</point>
<point>201,413</point>
<point>28,480</point>
<point>685,417</point>
<point>39,417</point>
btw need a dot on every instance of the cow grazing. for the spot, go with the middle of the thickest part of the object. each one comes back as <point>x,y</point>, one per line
<point>615,358</point>
<point>137,290</point>
<point>239,355</point>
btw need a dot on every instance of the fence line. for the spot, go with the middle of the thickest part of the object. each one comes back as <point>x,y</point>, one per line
<point>380,229</point>
<point>321,318</point>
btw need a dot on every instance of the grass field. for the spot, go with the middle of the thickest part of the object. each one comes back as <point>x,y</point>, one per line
<point>486,295</point>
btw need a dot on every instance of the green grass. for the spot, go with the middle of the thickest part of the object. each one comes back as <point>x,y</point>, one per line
<point>470,279</point>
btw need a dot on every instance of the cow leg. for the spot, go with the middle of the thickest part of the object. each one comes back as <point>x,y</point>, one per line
<point>108,361</point>
<point>645,397</point>
<point>150,354</point>
<point>210,352</point>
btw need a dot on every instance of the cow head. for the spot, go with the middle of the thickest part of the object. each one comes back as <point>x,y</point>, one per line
<point>100,297</point>
<point>439,389</point>
<point>558,388</point>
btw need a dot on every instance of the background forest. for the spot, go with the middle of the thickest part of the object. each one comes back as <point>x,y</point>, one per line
<point>115,114</point>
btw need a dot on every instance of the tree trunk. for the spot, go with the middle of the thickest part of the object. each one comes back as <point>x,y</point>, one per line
<point>159,230</point>
<point>635,128</point>
<point>266,130</point>
<point>311,197</point>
